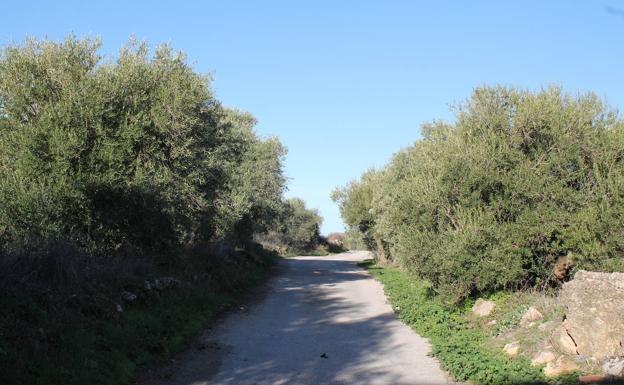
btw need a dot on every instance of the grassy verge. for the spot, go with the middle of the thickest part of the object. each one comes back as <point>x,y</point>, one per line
<point>77,342</point>
<point>460,346</point>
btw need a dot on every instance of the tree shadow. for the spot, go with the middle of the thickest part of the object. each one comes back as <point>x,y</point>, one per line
<point>307,331</point>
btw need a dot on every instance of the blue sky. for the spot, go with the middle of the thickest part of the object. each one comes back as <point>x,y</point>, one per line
<point>345,84</point>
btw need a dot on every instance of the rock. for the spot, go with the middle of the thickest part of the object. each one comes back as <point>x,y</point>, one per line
<point>564,342</point>
<point>531,315</point>
<point>614,366</point>
<point>119,308</point>
<point>491,323</point>
<point>559,367</point>
<point>162,283</point>
<point>128,297</point>
<point>543,357</point>
<point>512,348</point>
<point>562,267</point>
<point>594,304</point>
<point>483,308</point>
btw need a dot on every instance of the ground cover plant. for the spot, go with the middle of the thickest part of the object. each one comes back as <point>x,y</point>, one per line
<point>461,346</point>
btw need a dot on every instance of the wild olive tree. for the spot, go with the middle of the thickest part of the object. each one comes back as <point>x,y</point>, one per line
<point>131,155</point>
<point>494,199</point>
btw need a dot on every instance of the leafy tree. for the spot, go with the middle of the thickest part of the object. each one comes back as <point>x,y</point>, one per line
<point>493,200</point>
<point>127,156</point>
<point>296,228</point>
<point>356,207</point>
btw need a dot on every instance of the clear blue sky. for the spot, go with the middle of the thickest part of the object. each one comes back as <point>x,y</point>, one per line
<point>345,84</point>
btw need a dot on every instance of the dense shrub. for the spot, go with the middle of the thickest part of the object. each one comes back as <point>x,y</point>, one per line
<point>131,156</point>
<point>295,229</point>
<point>493,199</point>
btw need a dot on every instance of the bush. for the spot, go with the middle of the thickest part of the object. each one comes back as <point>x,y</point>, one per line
<point>494,199</point>
<point>128,157</point>
<point>115,174</point>
<point>296,229</point>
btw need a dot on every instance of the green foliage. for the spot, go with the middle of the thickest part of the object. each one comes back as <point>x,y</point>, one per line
<point>456,344</point>
<point>296,228</point>
<point>132,156</point>
<point>130,165</point>
<point>491,201</point>
<point>355,202</point>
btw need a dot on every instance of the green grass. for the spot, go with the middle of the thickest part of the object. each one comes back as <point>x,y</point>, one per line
<point>69,345</point>
<point>458,345</point>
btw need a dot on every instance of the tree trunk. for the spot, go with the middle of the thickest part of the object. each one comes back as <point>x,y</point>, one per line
<point>381,251</point>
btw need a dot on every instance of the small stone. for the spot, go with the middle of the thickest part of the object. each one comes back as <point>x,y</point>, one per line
<point>614,366</point>
<point>530,316</point>
<point>483,308</point>
<point>491,323</point>
<point>119,308</point>
<point>543,357</point>
<point>559,367</point>
<point>512,348</point>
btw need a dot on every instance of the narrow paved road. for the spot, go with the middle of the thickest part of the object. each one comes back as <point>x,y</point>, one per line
<point>324,320</point>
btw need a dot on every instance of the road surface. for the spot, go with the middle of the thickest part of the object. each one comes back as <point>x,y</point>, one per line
<point>322,320</point>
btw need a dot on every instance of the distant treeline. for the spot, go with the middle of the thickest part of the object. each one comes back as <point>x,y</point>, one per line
<point>132,156</point>
<point>520,182</point>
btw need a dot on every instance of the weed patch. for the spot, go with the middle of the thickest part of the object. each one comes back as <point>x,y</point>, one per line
<point>460,347</point>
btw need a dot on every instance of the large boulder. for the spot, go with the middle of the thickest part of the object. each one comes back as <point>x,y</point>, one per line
<point>594,307</point>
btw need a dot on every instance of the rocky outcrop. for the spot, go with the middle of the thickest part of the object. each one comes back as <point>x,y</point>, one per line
<point>594,308</point>
<point>564,342</point>
<point>483,308</point>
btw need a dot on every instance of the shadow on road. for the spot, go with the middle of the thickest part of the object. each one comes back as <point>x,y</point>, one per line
<point>313,328</point>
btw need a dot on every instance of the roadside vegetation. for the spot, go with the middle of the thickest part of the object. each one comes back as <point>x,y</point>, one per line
<point>521,182</point>
<point>131,202</point>
<point>459,342</point>
<point>505,203</point>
